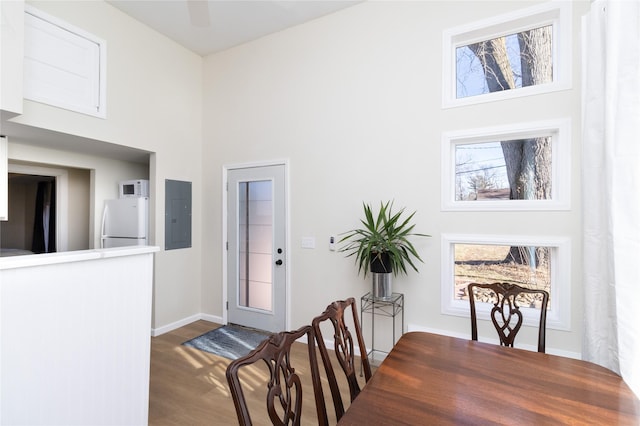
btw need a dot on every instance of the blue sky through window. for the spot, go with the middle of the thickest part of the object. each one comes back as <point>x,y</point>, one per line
<point>470,79</point>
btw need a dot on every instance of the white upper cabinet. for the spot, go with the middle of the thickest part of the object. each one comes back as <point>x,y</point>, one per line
<point>11,56</point>
<point>64,66</point>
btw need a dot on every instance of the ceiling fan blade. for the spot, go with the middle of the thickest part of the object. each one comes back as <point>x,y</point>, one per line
<point>199,12</point>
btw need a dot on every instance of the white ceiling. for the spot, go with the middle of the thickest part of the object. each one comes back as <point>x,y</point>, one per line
<point>211,26</point>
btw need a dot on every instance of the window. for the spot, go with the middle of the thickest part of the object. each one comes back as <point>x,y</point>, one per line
<point>534,262</point>
<point>505,63</point>
<point>63,65</point>
<point>517,54</point>
<point>516,167</point>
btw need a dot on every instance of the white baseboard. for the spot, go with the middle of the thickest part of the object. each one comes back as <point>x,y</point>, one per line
<point>551,351</point>
<point>181,323</point>
<point>211,318</point>
<point>415,327</point>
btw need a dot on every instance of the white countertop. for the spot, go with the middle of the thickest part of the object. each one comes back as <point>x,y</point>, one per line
<point>30,260</point>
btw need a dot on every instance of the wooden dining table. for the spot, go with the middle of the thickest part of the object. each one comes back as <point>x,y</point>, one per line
<point>430,379</point>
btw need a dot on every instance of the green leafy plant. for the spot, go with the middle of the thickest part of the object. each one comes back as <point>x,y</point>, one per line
<point>383,234</point>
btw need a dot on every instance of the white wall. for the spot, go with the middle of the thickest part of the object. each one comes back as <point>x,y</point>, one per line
<point>79,209</point>
<point>154,103</point>
<point>353,100</point>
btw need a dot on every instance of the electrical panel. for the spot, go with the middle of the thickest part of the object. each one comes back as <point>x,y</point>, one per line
<point>177,216</point>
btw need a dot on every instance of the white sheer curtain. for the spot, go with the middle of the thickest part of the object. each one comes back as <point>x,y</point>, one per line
<point>611,187</point>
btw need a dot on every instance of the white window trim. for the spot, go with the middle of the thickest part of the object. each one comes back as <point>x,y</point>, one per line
<point>101,110</point>
<point>555,13</point>
<point>560,132</point>
<point>559,313</point>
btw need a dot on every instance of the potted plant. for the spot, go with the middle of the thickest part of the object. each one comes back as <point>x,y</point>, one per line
<point>382,246</point>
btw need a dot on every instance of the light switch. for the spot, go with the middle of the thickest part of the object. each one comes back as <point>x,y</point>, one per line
<point>308,242</point>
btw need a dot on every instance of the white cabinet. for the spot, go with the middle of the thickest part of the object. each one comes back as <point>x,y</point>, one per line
<point>11,71</point>
<point>11,57</point>
<point>64,66</point>
<point>45,59</point>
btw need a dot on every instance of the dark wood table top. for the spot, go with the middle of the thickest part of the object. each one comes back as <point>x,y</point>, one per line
<point>430,379</point>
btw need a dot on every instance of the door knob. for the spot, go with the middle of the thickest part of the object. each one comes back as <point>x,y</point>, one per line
<point>279,262</point>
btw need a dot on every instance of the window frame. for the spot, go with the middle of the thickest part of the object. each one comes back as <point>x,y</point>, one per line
<point>560,133</point>
<point>559,313</point>
<point>554,13</point>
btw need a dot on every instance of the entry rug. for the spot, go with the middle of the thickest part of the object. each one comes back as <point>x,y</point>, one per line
<point>230,341</point>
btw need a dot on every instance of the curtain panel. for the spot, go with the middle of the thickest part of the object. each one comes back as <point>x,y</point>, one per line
<point>611,187</point>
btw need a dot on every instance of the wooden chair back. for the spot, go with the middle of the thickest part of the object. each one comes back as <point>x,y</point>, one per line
<point>505,313</point>
<point>344,348</point>
<point>284,386</point>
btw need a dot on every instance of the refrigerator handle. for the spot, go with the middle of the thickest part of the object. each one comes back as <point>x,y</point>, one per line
<point>104,219</point>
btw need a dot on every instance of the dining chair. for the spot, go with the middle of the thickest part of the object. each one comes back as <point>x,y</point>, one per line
<point>505,313</point>
<point>344,349</point>
<point>284,386</point>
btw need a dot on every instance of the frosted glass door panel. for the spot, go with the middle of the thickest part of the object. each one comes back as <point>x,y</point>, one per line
<point>256,242</point>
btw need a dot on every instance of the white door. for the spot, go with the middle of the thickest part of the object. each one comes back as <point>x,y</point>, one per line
<point>256,287</point>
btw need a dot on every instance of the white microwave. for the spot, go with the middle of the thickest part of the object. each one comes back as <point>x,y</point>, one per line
<point>134,188</point>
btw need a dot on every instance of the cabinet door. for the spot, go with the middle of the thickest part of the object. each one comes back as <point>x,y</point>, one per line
<point>11,57</point>
<point>63,65</point>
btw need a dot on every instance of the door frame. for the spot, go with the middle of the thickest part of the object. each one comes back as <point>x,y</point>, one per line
<point>225,254</point>
<point>62,196</point>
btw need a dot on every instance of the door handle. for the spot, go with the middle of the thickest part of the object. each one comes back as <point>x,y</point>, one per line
<point>279,262</point>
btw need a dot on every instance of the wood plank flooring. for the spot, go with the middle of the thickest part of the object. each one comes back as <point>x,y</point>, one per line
<point>189,387</point>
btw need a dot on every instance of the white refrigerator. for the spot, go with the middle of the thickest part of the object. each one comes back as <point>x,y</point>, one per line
<point>125,222</point>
